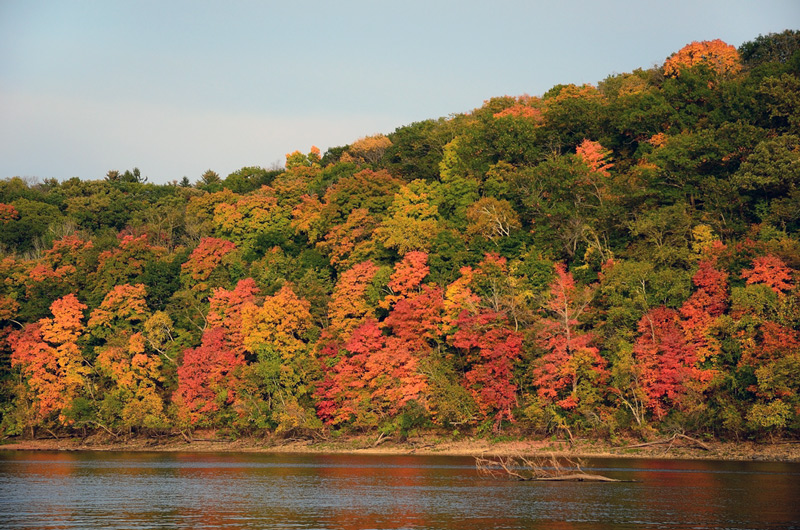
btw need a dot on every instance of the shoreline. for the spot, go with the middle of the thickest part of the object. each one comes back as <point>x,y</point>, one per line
<point>780,451</point>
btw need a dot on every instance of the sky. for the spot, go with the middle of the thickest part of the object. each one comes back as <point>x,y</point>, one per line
<point>177,87</point>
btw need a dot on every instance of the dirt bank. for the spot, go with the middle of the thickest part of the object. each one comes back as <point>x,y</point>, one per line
<point>785,451</point>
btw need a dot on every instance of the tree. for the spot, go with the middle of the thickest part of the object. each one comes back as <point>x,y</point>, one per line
<point>491,218</point>
<point>369,149</point>
<point>208,380</point>
<point>773,47</point>
<point>278,334</point>
<point>123,264</point>
<point>571,369</point>
<point>703,307</point>
<point>51,360</point>
<point>350,242</point>
<point>491,349</point>
<point>133,398</point>
<point>718,56</point>
<point>665,362</point>
<point>204,270</point>
<point>255,222</point>
<point>595,156</point>
<point>771,271</point>
<point>412,221</point>
<point>348,306</point>
<point>8,213</point>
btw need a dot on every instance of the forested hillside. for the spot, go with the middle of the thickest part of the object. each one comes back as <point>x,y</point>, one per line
<point>598,260</point>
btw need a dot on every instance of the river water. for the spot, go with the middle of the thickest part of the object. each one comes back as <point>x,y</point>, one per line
<point>136,490</point>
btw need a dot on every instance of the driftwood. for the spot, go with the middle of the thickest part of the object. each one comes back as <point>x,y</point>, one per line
<point>671,441</point>
<point>544,468</point>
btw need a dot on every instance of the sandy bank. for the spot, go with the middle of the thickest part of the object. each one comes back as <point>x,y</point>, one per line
<point>783,451</point>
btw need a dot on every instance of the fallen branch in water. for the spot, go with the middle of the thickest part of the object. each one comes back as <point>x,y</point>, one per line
<point>547,468</point>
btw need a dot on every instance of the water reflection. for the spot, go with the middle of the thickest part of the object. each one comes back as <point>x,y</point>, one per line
<point>245,491</point>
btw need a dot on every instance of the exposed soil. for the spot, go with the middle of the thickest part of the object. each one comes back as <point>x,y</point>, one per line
<point>783,451</point>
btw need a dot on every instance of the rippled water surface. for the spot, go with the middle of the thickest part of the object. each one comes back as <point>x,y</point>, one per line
<point>242,491</point>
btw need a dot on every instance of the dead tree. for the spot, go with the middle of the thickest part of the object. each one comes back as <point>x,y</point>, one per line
<point>542,468</point>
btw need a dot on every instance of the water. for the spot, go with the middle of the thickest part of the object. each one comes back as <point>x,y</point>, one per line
<point>64,490</point>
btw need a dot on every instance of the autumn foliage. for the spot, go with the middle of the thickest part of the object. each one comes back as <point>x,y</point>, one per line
<point>720,57</point>
<point>607,260</point>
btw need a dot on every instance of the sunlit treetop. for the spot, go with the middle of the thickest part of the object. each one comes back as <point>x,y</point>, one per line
<point>720,57</point>
<point>298,159</point>
<point>524,106</point>
<point>369,149</point>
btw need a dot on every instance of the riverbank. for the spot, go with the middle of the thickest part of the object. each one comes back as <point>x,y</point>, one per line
<point>678,448</point>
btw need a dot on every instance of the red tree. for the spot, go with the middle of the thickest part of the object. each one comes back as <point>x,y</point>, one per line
<point>570,358</point>
<point>701,310</point>
<point>491,348</point>
<point>770,270</point>
<point>665,361</point>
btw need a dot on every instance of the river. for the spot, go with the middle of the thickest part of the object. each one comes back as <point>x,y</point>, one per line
<point>137,490</point>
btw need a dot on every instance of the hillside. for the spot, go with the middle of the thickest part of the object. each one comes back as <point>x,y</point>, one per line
<point>596,261</point>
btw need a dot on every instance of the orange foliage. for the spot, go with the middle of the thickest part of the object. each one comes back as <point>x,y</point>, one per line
<point>658,140</point>
<point>307,217</point>
<point>8,307</point>
<point>204,260</point>
<point>7,213</point>
<point>771,271</point>
<point>226,307</point>
<point>523,107</point>
<point>348,306</point>
<point>720,57</point>
<point>369,149</point>
<point>50,358</point>
<point>123,305</point>
<point>407,276</point>
<point>349,241</point>
<point>595,156</point>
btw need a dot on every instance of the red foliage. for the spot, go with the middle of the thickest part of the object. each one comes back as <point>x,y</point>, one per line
<point>570,355</point>
<point>491,349</point>
<point>374,379</point>
<point>700,311</point>
<point>205,259</point>
<point>418,318</point>
<point>665,362</point>
<point>771,342</point>
<point>770,270</point>
<point>208,377</point>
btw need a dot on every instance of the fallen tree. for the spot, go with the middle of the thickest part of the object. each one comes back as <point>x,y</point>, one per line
<point>542,468</point>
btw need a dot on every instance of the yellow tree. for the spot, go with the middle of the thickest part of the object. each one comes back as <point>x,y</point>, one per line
<point>412,223</point>
<point>134,370</point>
<point>369,149</point>
<point>277,333</point>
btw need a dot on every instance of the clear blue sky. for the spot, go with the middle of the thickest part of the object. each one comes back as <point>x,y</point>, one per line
<point>177,87</point>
